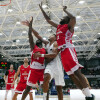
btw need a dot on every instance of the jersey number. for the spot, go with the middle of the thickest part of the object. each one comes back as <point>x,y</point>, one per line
<point>58,37</point>
<point>25,78</point>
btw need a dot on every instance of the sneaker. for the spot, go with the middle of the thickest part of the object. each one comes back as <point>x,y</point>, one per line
<point>90,98</point>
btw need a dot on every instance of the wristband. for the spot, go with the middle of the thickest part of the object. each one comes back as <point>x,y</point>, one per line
<point>42,55</point>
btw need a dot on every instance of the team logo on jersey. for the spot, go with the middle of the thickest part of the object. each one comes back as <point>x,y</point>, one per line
<point>25,73</point>
<point>12,76</point>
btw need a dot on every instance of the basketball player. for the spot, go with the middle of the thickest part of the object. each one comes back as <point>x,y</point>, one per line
<point>9,77</point>
<point>37,65</point>
<point>23,70</point>
<point>64,33</point>
<point>54,67</point>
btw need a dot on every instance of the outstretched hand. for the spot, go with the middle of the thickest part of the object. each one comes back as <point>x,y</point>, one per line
<point>25,23</point>
<point>31,20</point>
<point>64,8</point>
<point>40,5</point>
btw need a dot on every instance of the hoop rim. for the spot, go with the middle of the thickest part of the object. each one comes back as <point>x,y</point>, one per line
<point>6,4</point>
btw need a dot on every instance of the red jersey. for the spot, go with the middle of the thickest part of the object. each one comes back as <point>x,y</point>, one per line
<point>39,62</point>
<point>64,36</point>
<point>10,76</point>
<point>24,73</point>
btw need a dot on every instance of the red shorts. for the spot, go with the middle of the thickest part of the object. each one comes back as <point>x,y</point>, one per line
<point>21,87</point>
<point>70,61</point>
<point>34,76</point>
<point>9,86</point>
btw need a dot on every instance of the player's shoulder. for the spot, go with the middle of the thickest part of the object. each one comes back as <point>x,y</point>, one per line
<point>35,48</point>
<point>13,70</point>
<point>9,71</point>
<point>20,67</point>
<point>55,43</point>
<point>43,48</point>
<point>28,66</point>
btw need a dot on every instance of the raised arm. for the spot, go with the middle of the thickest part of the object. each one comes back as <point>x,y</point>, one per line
<point>35,32</point>
<point>72,18</point>
<point>32,44</point>
<point>47,17</point>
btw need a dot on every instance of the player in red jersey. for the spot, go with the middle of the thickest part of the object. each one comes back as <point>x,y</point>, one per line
<point>37,65</point>
<point>9,77</point>
<point>51,72</point>
<point>65,31</point>
<point>23,70</point>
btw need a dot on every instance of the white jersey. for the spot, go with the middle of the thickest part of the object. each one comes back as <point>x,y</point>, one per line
<point>55,64</point>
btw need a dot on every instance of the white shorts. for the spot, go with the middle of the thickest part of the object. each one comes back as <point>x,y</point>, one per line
<point>58,77</point>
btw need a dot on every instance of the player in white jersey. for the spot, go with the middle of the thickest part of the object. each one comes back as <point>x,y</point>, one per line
<point>54,67</point>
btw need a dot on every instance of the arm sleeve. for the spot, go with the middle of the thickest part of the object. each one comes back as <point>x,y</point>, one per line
<point>6,73</point>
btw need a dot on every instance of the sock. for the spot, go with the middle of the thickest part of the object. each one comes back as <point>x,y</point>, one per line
<point>44,96</point>
<point>6,94</point>
<point>86,92</point>
<point>12,92</point>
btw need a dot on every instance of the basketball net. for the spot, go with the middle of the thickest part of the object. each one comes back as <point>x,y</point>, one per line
<point>5,2</point>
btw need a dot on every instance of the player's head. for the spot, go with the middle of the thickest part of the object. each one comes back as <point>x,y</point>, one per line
<point>39,43</point>
<point>52,37</point>
<point>65,20</point>
<point>11,67</point>
<point>25,60</point>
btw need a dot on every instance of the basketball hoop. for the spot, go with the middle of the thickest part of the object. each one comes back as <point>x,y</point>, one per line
<point>5,2</point>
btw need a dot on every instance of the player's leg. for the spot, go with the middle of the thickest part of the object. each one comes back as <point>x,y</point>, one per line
<point>72,66</point>
<point>15,96</point>
<point>81,78</point>
<point>83,82</point>
<point>6,94</point>
<point>87,81</point>
<point>31,81</point>
<point>25,93</point>
<point>31,95</point>
<point>47,95</point>
<point>12,90</point>
<point>8,87</point>
<point>50,85</point>
<point>59,82</point>
<point>76,81</point>
<point>47,77</point>
<point>60,93</point>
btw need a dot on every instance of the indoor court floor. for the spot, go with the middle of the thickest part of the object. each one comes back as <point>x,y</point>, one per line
<point>74,95</point>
